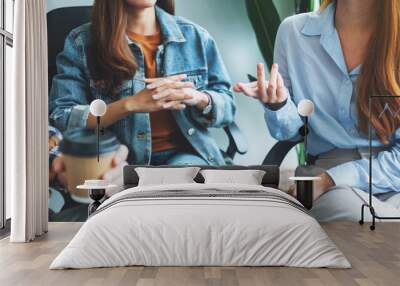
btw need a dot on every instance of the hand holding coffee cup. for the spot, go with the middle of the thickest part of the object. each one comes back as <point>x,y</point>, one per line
<point>79,161</point>
<point>114,176</point>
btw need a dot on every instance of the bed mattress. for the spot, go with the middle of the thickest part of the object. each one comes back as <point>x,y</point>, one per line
<point>201,225</point>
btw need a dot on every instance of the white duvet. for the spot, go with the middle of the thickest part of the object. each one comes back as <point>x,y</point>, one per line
<point>185,230</point>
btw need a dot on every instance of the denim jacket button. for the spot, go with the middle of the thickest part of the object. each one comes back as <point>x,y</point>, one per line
<point>210,158</point>
<point>191,131</point>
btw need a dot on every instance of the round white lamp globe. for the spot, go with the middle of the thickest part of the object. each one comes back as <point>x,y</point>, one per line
<point>305,108</point>
<point>98,108</point>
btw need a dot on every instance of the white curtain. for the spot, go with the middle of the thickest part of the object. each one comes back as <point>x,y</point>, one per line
<point>27,123</point>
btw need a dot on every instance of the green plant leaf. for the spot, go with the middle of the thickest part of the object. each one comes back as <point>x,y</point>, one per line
<point>301,154</point>
<point>304,6</point>
<point>265,20</point>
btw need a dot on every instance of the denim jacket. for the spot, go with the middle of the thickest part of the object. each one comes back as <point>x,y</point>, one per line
<point>186,48</point>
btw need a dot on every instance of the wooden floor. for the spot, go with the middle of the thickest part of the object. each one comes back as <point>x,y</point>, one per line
<point>375,257</point>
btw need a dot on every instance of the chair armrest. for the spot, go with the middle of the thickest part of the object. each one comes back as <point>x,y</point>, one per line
<point>237,142</point>
<point>278,153</point>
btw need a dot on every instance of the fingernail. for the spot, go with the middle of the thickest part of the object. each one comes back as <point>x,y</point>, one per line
<point>156,96</point>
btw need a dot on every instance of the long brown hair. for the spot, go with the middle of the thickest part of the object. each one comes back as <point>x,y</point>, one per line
<point>109,57</point>
<point>380,73</point>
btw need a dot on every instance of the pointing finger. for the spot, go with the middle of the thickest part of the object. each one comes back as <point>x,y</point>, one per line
<point>273,84</point>
<point>281,92</point>
<point>247,90</point>
<point>261,82</point>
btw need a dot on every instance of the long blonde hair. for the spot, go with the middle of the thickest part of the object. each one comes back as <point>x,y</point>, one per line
<point>380,73</point>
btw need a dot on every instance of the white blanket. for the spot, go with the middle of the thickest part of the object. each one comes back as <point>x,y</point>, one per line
<point>225,225</point>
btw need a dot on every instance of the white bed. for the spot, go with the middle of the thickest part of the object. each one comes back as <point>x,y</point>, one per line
<point>201,225</point>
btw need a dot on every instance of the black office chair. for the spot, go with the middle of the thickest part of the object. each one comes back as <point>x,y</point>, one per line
<point>278,152</point>
<point>61,21</point>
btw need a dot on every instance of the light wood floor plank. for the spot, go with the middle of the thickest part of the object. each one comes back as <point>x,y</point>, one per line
<point>375,257</point>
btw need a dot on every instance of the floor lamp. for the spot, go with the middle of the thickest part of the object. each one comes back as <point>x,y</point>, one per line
<point>369,205</point>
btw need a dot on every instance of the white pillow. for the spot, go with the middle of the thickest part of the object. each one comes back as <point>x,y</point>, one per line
<point>166,176</point>
<point>247,177</point>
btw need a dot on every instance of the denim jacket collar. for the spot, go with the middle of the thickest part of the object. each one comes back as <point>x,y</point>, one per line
<point>323,24</point>
<point>170,29</point>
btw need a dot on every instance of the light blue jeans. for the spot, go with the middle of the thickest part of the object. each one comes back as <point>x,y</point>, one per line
<point>176,157</point>
<point>344,204</point>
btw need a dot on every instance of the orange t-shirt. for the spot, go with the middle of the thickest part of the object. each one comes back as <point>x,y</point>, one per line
<point>164,130</point>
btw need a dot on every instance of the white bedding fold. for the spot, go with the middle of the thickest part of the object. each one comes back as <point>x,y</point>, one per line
<point>265,230</point>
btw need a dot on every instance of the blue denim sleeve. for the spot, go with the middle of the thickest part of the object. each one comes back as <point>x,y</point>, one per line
<point>284,123</point>
<point>385,171</point>
<point>68,105</point>
<point>218,88</point>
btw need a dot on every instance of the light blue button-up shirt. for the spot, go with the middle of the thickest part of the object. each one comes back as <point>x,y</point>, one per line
<point>312,64</point>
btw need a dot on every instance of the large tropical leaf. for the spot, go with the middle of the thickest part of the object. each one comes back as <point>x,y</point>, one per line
<point>265,21</point>
<point>304,6</point>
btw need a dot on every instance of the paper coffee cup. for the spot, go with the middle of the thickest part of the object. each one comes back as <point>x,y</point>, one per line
<point>79,152</point>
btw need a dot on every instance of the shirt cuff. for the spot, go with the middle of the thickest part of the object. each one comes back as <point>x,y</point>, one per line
<point>275,106</point>
<point>288,109</point>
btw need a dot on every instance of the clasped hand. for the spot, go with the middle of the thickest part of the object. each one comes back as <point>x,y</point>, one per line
<point>169,93</point>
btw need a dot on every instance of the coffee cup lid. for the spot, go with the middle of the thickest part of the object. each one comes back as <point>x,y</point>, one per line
<point>83,143</point>
<point>95,185</point>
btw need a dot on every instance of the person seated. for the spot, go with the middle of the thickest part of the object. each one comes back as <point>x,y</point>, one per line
<point>161,75</point>
<point>338,57</point>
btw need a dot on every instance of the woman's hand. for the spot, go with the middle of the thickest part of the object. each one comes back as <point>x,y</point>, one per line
<point>57,171</point>
<point>193,97</point>
<point>270,92</point>
<point>115,176</point>
<point>167,90</point>
<point>144,101</point>
<point>149,99</point>
<point>320,186</point>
